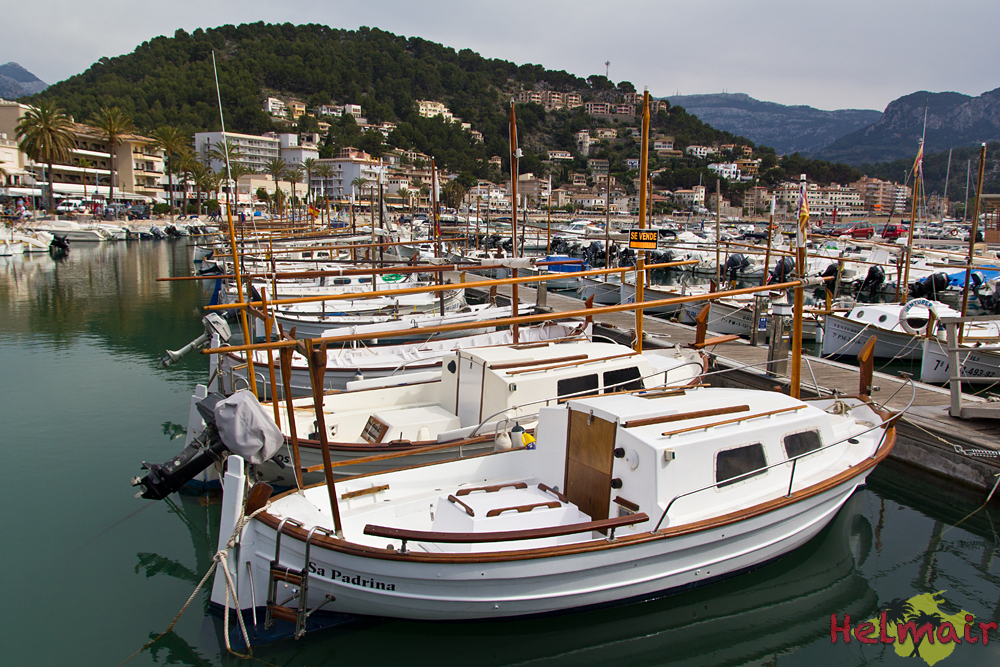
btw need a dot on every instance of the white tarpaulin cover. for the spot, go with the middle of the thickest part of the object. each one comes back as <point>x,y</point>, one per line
<point>246,428</point>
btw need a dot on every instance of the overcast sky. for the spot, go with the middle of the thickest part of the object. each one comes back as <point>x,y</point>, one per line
<point>831,55</point>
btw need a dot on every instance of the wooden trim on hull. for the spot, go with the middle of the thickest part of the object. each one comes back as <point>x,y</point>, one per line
<point>354,549</point>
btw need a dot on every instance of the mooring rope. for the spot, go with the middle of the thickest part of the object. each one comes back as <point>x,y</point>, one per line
<point>220,556</point>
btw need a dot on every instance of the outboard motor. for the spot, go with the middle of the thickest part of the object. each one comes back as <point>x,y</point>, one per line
<point>734,264</point>
<point>214,324</point>
<point>831,271</point>
<point>59,245</point>
<point>930,286</point>
<point>873,281</point>
<point>595,253</point>
<point>237,424</point>
<point>626,257</point>
<point>782,270</point>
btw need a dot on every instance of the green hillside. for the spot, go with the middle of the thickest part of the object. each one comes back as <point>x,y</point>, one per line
<point>169,80</point>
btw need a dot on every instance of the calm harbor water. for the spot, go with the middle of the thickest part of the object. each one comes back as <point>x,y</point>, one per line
<point>90,573</point>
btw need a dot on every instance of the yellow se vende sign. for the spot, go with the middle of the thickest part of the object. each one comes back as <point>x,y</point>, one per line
<point>642,239</point>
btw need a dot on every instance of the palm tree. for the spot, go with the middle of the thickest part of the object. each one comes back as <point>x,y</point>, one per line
<point>84,164</point>
<point>186,161</point>
<point>112,124</point>
<point>172,142</point>
<point>325,171</point>
<point>45,135</point>
<point>236,172</point>
<point>360,183</point>
<point>294,176</point>
<point>404,194</point>
<point>275,167</point>
<point>921,619</point>
<point>309,165</point>
<point>200,174</point>
<point>226,152</point>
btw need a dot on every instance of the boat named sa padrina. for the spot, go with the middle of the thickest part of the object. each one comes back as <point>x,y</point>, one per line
<point>622,497</point>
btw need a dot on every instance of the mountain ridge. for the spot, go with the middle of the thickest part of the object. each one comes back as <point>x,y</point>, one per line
<point>953,120</point>
<point>16,81</point>
<point>786,128</point>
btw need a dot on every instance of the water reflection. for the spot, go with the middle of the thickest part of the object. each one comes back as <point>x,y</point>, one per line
<point>106,290</point>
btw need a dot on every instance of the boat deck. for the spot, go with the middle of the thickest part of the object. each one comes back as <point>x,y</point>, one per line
<point>927,435</point>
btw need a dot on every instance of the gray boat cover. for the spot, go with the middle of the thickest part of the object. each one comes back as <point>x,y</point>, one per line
<point>246,428</point>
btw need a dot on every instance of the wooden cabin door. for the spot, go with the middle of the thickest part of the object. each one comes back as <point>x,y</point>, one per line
<point>590,446</point>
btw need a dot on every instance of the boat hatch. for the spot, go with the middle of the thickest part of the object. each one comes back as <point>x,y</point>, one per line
<point>590,446</point>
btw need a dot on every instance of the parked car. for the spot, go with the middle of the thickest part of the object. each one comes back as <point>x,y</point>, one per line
<point>138,212</point>
<point>893,231</point>
<point>861,230</point>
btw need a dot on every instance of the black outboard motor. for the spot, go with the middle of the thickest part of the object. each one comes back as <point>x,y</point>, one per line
<point>736,263</point>
<point>930,286</point>
<point>831,271</point>
<point>626,257</point>
<point>237,424</point>
<point>782,270</point>
<point>59,245</point>
<point>595,254</point>
<point>873,281</point>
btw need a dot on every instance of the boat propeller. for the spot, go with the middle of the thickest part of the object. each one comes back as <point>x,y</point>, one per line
<point>214,324</point>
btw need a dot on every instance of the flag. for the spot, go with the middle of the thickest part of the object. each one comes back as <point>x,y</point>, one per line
<point>918,163</point>
<point>803,216</point>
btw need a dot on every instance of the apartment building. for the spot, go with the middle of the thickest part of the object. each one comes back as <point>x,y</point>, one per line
<point>727,170</point>
<point>607,133</point>
<point>275,107</point>
<point>430,108</point>
<point>662,143</point>
<point>138,166</point>
<point>351,165</point>
<point>583,141</point>
<point>757,199</point>
<point>880,197</point>
<point>692,198</point>
<point>597,108</point>
<point>560,155</point>
<point>699,151</point>
<point>598,167</point>
<point>254,151</point>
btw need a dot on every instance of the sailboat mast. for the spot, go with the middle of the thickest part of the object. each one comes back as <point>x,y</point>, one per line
<point>640,267</point>
<point>972,233</point>
<point>904,288</point>
<point>515,153</point>
<point>248,336</point>
<point>968,177</point>
<point>947,176</point>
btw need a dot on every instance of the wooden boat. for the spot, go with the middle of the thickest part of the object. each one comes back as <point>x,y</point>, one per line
<point>314,326</point>
<point>974,363</point>
<point>899,329</point>
<point>623,497</point>
<point>348,364</point>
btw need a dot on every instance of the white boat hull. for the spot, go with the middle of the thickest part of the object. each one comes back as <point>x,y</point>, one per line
<point>935,367</point>
<point>458,591</point>
<point>845,338</point>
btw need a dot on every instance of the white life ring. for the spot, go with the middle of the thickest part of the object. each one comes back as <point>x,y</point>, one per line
<point>905,311</point>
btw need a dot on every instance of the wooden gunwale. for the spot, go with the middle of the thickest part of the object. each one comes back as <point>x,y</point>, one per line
<point>364,551</point>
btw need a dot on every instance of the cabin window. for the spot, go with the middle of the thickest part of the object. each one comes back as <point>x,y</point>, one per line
<point>798,444</point>
<point>577,387</point>
<point>860,314</point>
<point>623,379</point>
<point>341,281</point>
<point>883,318</point>
<point>364,280</point>
<point>732,463</point>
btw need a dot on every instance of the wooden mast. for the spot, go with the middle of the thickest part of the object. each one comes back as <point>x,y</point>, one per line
<point>800,255</point>
<point>972,234</point>
<point>904,289</point>
<point>515,153</point>
<point>767,253</point>
<point>248,336</point>
<point>640,272</point>
<point>607,224</point>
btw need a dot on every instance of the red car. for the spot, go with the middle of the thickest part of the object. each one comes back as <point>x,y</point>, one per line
<point>860,230</point>
<point>893,231</point>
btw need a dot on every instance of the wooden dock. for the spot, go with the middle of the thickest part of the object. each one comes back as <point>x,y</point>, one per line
<point>928,437</point>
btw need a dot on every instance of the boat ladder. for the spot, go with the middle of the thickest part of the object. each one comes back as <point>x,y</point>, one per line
<point>283,577</point>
